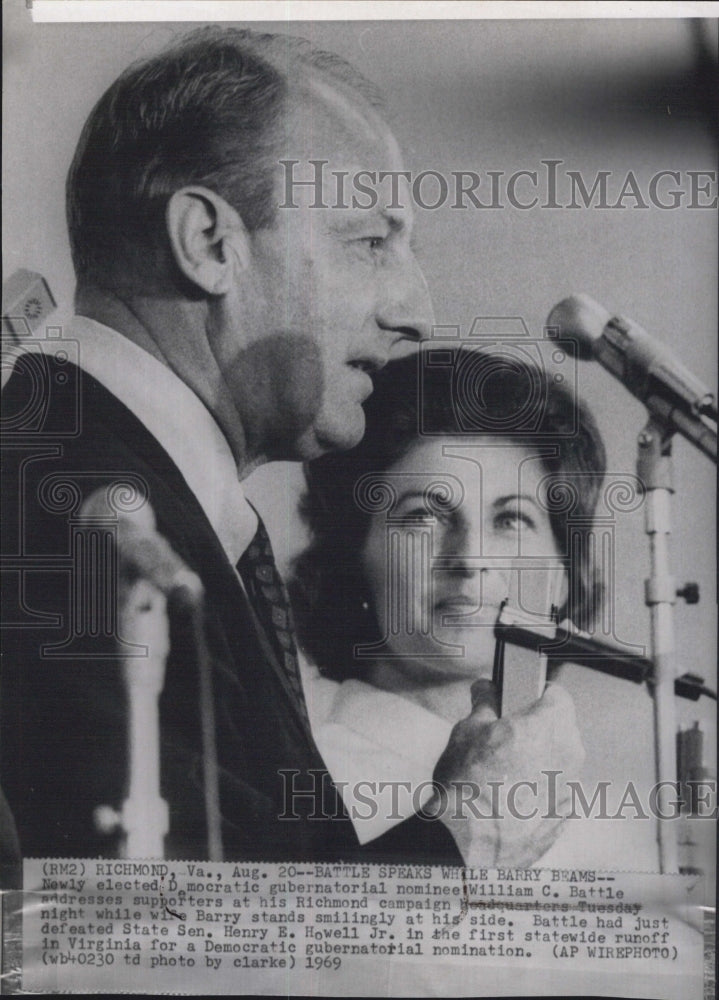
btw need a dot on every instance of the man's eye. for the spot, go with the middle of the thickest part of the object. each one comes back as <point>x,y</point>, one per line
<point>374,242</point>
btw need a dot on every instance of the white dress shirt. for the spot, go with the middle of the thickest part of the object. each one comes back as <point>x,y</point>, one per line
<point>179,421</point>
<point>368,737</point>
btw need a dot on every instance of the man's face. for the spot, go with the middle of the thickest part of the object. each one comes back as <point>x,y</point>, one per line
<point>329,291</point>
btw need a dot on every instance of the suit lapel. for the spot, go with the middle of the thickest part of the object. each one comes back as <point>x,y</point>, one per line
<point>182,520</point>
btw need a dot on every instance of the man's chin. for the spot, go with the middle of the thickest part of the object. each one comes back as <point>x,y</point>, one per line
<point>322,439</point>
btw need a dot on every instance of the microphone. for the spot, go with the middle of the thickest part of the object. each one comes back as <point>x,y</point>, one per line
<point>570,645</point>
<point>26,302</point>
<point>520,669</point>
<point>143,553</point>
<point>148,556</point>
<point>642,364</point>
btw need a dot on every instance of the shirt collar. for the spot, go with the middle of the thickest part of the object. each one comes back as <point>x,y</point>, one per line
<point>179,421</point>
<point>356,706</point>
<point>416,733</point>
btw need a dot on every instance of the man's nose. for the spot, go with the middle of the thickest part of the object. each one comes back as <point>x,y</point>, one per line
<point>406,309</point>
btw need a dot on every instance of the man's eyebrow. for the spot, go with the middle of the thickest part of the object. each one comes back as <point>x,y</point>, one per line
<point>398,223</point>
<point>358,220</point>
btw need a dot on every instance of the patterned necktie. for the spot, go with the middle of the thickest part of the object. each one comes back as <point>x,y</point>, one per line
<point>270,600</point>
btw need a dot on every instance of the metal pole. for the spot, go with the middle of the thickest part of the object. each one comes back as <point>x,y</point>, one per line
<point>654,469</point>
<point>145,816</point>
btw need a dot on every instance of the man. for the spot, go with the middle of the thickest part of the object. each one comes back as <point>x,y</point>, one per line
<point>217,331</point>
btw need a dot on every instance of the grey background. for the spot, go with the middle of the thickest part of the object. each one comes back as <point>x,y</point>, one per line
<point>473,95</point>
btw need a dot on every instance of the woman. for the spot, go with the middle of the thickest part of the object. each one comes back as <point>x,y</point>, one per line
<point>476,481</point>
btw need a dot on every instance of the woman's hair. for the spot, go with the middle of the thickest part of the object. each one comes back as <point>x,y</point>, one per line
<point>455,391</point>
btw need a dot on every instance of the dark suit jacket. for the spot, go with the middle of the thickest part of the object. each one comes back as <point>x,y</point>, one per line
<point>63,703</point>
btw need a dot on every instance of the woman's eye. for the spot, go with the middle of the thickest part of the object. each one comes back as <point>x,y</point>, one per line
<point>416,514</point>
<point>513,520</point>
<point>420,515</point>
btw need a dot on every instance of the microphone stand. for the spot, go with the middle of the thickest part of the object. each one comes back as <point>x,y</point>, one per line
<point>654,468</point>
<point>144,816</point>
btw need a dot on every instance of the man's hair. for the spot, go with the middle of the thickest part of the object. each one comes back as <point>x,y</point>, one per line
<point>208,110</point>
<point>472,393</point>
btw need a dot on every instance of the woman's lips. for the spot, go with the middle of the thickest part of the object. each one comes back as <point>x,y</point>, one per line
<point>458,600</point>
<point>463,604</point>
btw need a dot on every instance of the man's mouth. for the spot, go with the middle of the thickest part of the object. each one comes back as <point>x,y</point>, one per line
<point>364,365</point>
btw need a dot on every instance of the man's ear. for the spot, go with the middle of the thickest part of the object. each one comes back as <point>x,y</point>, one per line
<point>208,238</point>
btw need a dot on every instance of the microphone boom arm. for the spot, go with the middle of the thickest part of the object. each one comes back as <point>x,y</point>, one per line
<point>583,650</point>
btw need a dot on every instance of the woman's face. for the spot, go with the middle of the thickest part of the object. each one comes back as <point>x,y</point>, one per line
<point>467,528</point>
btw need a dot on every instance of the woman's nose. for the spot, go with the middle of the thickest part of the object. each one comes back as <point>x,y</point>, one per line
<point>469,549</point>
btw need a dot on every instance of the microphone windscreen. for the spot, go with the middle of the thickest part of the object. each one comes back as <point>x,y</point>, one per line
<point>142,552</point>
<point>575,323</point>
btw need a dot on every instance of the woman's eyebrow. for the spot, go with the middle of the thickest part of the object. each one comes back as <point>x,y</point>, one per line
<point>412,495</point>
<point>514,498</point>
